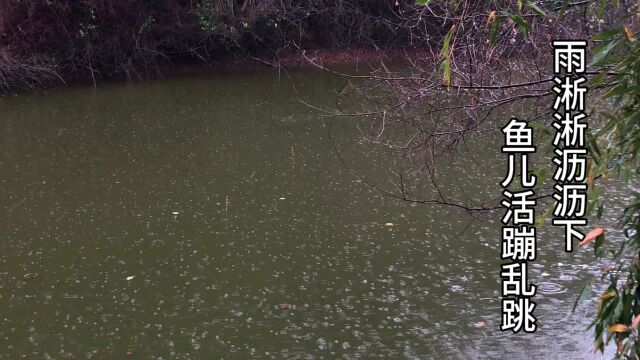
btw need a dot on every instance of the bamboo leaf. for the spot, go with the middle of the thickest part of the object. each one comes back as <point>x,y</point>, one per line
<point>445,52</point>
<point>584,294</point>
<point>601,52</point>
<point>533,6</point>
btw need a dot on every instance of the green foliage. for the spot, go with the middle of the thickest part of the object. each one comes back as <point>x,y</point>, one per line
<point>207,18</point>
<point>445,53</point>
<point>146,25</point>
<point>614,148</point>
<point>134,39</point>
<point>86,29</point>
<point>518,13</point>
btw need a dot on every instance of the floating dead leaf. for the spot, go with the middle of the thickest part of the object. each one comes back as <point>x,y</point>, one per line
<point>389,224</point>
<point>282,198</point>
<point>30,275</point>
<point>545,274</point>
<point>635,322</point>
<point>286,306</point>
<point>618,328</point>
<point>591,235</point>
<point>130,277</point>
<point>479,324</point>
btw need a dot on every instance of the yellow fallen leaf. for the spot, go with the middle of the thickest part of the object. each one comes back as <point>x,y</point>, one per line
<point>604,297</point>
<point>608,295</point>
<point>618,328</point>
<point>490,18</point>
<point>629,33</point>
<point>388,224</point>
<point>590,236</point>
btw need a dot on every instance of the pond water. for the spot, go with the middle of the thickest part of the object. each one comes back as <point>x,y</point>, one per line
<point>170,219</point>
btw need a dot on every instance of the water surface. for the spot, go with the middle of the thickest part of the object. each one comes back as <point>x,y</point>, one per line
<point>168,220</point>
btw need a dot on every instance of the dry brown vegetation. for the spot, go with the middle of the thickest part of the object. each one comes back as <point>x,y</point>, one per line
<point>46,40</point>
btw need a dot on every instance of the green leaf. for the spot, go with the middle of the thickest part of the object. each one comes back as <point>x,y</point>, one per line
<point>600,211</point>
<point>607,34</point>
<point>584,294</point>
<point>445,52</point>
<point>523,25</point>
<point>597,248</point>
<point>601,52</point>
<point>423,2</point>
<point>533,6</point>
<point>495,29</point>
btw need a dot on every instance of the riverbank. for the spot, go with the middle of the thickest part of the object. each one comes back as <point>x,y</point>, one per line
<point>302,59</point>
<point>56,42</point>
<point>286,61</point>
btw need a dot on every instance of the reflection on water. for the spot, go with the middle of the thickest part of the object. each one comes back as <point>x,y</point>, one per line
<point>211,218</point>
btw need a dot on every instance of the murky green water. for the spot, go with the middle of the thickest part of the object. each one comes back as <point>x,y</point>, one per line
<point>168,220</point>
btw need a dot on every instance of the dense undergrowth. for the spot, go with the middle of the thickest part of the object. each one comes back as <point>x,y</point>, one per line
<point>47,40</point>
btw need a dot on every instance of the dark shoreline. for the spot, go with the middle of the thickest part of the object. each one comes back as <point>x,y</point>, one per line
<point>48,43</point>
<point>303,59</point>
